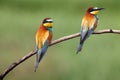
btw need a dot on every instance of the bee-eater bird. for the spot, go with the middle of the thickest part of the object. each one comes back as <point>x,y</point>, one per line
<point>88,25</point>
<point>43,39</point>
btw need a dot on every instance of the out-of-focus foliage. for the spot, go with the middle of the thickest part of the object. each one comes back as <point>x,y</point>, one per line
<point>99,59</point>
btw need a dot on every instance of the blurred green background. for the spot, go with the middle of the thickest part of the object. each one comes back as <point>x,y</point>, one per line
<point>99,59</point>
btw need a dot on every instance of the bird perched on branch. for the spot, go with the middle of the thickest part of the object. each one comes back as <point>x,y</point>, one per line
<point>88,25</point>
<point>43,39</point>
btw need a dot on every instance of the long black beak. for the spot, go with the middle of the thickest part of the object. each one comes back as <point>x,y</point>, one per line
<point>100,8</point>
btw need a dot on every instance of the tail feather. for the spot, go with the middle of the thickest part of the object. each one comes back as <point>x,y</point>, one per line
<point>40,53</point>
<point>79,48</point>
<point>82,40</point>
<point>36,65</point>
<point>38,59</point>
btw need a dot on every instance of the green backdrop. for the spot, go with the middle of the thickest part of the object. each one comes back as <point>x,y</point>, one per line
<point>99,59</point>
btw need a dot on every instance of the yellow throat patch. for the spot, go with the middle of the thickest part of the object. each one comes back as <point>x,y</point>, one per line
<point>94,12</point>
<point>48,24</point>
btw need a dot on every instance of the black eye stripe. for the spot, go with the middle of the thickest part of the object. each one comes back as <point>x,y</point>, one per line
<point>92,10</point>
<point>47,21</point>
<point>96,9</point>
<point>50,21</point>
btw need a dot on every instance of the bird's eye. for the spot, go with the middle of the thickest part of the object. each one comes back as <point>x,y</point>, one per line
<point>48,21</point>
<point>93,9</point>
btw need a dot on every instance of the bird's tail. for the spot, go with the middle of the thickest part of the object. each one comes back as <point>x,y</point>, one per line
<point>38,59</point>
<point>36,65</point>
<point>79,48</point>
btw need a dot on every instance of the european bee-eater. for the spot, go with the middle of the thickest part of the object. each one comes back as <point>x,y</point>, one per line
<point>88,25</point>
<point>43,39</point>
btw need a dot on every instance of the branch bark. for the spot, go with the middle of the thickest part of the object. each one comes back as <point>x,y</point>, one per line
<point>15,64</point>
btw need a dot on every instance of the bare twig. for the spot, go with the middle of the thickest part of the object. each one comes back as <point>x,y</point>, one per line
<point>78,34</point>
<point>15,64</point>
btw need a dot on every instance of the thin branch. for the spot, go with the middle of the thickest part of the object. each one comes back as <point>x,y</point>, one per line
<point>15,64</point>
<point>78,34</point>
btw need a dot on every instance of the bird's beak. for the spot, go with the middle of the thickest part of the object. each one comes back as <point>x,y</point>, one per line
<point>100,8</point>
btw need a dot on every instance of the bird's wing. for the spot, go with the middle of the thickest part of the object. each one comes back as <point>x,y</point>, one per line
<point>42,51</point>
<point>41,38</point>
<point>84,34</point>
<point>88,26</point>
<point>93,23</point>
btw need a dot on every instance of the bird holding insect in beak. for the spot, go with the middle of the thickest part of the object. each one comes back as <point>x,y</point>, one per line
<point>88,25</point>
<point>43,39</point>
